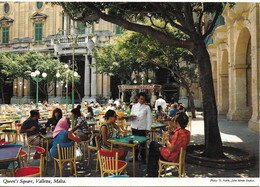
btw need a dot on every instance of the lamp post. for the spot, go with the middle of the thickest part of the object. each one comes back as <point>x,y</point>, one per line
<point>66,86</point>
<point>35,77</point>
<point>142,78</point>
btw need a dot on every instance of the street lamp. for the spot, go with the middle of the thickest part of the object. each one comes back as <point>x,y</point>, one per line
<point>35,77</point>
<point>149,81</point>
<point>61,84</point>
<point>142,78</point>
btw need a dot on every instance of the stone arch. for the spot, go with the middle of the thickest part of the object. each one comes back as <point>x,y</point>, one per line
<point>242,72</point>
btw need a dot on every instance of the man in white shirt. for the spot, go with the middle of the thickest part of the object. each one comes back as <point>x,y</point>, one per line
<point>141,125</point>
<point>160,101</point>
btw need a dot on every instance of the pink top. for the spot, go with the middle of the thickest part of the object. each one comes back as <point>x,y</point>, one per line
<point>61,126</point>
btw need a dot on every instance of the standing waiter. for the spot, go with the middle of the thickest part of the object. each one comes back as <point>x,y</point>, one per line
<point>141,125</point>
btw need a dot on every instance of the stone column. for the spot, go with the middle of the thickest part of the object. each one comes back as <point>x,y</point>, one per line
<point>254,122</point>
<point>93,80</point>
<point>240,110</point>
<point>183,97</point>
<point>87,78</point>
<point>106,85</point>
<point>223,94</point>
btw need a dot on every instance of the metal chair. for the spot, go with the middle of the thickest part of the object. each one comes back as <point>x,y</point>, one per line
<point>179,165</point>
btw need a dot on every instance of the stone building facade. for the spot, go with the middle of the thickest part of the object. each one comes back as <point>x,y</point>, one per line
<point>235,58</point>
<point>26,26</point>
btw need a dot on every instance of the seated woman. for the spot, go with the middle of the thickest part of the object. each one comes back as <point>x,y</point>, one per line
<point>107,132</point>
<point>90,113</point>
<point>62,136</point>
<point>81,128</point>
<point>159,114</point>
<point>56,116</point>
<point>170,153</point>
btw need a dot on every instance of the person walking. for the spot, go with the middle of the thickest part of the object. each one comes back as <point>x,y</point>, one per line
<point>160,102</point>
<point>141,124</point>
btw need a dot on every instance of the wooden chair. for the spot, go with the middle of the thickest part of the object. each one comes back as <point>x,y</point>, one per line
<point>11,135</point>
<point>66,154</point>
<point>24,158</point>
<point>110,164</point>
<point>179,165</point>
<point>85,144</point>
<point>29,146</point>
<point>33,171</point>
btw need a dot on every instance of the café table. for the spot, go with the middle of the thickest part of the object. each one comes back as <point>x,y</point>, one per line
<point>43,121</point>
<point>46,138</point>
<point>9,155</point>
<point>156,126</point>
<point>92,124</point>
<point>3,122</point>
<point>123,141</point>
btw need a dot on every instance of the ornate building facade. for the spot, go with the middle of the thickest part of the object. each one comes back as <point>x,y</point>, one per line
<point>235,58</point>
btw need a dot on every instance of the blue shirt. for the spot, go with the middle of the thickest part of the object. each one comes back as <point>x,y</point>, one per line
<point>173,112</point>
<point>63,140</point>
<point>27,124</point>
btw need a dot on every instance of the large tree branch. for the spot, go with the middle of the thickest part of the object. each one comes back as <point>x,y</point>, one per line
<point>163,12</point>
<point>159,35</point>
<point>178,14</point>
<point>200,21</point>
<point>219,10</point>
<point>189,17</point>
<point>83,18</point>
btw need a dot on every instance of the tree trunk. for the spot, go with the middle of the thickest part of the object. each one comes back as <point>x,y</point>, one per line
<point>213,143</point>
<point>192,105</point>
<point>191,100</point>
<point>2,93</point>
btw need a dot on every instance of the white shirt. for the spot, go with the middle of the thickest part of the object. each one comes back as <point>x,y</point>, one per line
<point>143,120</point>
<point>161,102</point>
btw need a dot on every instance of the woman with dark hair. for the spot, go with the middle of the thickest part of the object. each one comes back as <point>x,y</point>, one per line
<point>81,127</point>
<point>90,113</point>
<point>79,107</point>
<point>56,116</point>
<point>107,130</point>
<point>171,151</point>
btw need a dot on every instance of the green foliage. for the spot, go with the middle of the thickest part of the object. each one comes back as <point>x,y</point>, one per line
<point>117,60</point>
<point>21,65</point>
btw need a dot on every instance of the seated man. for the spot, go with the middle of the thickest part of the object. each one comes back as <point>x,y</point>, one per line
<point>31,127</point>
<point>171,152</point>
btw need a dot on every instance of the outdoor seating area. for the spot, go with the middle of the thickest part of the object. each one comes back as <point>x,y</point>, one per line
<point>25,160</point>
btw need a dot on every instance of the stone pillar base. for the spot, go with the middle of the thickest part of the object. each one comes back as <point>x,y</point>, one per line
<point>254,125</point>
<point>239,115</point>
<point>22,100</point>
<point>58,99</point>
<point>89,99</point>
<point>222,111</point>
<point>184,101</point>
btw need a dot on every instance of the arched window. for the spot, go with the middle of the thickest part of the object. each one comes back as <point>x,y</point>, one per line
<point>6,7</point>
<point>39,5</point>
